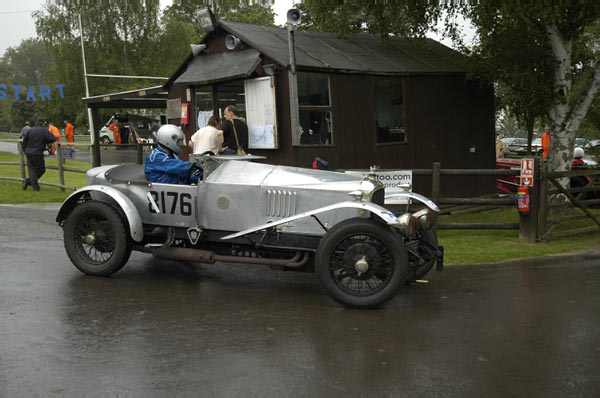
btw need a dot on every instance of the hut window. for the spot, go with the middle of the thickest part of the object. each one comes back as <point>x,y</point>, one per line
<point>389,103</point>
<point>315,109</point>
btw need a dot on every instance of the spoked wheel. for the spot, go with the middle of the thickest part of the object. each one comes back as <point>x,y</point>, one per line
<point>361,263</point>
<point>96,239</point>
<point>421,254</point>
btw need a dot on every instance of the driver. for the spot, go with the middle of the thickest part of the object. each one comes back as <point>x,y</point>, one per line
<point>163,165</point>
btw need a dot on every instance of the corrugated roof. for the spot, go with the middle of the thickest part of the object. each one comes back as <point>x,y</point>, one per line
<point>223,66</point>
<point>357,53</point>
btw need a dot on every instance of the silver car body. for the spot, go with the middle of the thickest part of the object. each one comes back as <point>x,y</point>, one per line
<point>242,196</point>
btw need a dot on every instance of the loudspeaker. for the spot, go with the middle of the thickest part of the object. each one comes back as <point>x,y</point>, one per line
<point>231,42</point>
<point>198,48</point>
<point>294,16</point>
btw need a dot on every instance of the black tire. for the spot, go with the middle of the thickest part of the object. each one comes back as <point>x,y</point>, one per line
<point>418,268</point>
<point>96,239</point>
<point>344,245</point>
<point>105,140</point>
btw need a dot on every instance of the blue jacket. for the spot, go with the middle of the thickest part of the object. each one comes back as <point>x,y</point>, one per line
<point>162,168</point>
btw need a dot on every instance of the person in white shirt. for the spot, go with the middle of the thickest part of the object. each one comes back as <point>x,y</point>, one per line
<point>208,138</point>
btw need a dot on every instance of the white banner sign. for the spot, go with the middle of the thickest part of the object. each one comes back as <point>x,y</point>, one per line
<point>394,182</point>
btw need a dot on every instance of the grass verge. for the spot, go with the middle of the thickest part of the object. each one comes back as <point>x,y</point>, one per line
<point>12,191</point>
<point>489,246</point>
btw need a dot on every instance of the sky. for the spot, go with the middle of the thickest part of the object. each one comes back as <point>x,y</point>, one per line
<point>16,23</point>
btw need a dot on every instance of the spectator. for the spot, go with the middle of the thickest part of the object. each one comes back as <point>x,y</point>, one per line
<point>116,129</point>
<point>235,132</point>
<point>56,133</point>
<point>34,143</point>
<point>546,142</point>
<point>500,147</point>
<point>208,138</point>
<point>24,130</point>
<point>69,133</point>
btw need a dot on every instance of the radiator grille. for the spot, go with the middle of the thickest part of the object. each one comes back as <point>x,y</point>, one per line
<point>281,203</point>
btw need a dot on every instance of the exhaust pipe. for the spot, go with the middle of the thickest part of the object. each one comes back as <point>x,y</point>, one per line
<point>209,257</point>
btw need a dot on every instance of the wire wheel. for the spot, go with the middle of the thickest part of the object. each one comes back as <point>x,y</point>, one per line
<point>361,262</point>
<point>96,239</point>
<point>372,252</point>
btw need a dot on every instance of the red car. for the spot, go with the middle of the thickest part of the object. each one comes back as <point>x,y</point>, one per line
<point>509,184</point>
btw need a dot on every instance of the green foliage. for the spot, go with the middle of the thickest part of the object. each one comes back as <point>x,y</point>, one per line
<point>228,10</point>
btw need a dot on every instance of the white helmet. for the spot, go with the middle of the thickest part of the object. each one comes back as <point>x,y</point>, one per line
<point>578,153</point>
<point>171,137</point>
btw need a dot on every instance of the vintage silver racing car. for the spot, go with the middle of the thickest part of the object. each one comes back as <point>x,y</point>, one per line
<point>287,218</point>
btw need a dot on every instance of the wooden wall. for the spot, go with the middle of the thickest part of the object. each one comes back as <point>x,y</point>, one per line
<point>445,117</point>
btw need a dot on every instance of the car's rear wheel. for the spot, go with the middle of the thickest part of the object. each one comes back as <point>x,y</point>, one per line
<point>421,254</point>
<point>96,239</point>
<point>361,263</point>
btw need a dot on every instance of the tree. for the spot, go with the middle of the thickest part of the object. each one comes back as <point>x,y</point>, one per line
<point>560,61</point>
<point>25,65</point>
<point>120,38</point>
<point>227,10</point>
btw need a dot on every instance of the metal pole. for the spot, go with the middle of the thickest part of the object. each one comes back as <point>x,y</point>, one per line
<point>125,77</point>
<point>85,76</point>
<point>293,89</point>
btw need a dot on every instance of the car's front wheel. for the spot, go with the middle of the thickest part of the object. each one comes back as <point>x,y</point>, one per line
<point>96,239</point>
<point>361,263</point>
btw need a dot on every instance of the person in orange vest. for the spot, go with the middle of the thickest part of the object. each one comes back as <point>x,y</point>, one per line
<point>69,132</point>
<point>546,142</point>
<point>56,133</point>
<point>116,131</point>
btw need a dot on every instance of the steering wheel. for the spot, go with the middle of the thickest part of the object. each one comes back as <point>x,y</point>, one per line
<point>195,170</point>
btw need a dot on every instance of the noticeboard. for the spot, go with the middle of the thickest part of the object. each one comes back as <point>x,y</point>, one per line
<point>261,115</point>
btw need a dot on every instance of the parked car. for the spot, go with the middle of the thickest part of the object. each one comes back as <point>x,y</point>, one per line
<point>134,128</point>
<point>536,146</point>
<point>517,146</point>
<point>509,184</point>
<point>580,142</point>
<point>592,144</point>
<point>288,218</point>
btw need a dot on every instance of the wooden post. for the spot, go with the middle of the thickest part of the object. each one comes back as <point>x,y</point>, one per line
<point>21,160</point>
<point>61,173</point>
<point>543,203</point>
<point>140,153</point>
<point>528,222</point>
<point>435,182</point>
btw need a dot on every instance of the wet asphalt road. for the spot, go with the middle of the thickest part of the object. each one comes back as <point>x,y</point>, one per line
<point>160,329</point>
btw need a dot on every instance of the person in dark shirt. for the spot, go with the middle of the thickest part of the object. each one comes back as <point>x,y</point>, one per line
<point>34,143</point>
<point>230,144</point>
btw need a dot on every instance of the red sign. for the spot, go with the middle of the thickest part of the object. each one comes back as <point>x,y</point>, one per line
<point>527,172</point>
<point>184,113</point>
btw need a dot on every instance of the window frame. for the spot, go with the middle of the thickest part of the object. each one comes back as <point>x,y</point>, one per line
<point>406,132</point>
<point>319,108</point>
